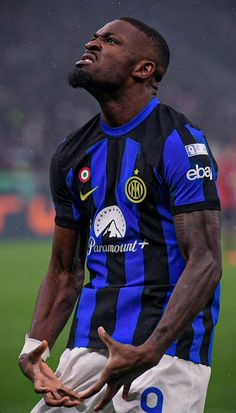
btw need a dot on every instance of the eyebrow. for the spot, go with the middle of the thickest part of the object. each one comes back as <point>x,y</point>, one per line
<point>107,34</point>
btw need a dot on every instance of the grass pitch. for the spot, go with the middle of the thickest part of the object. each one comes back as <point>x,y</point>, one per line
<point>23,265</point>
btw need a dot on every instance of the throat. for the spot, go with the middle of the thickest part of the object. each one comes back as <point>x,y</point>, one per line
<point>118,113</point>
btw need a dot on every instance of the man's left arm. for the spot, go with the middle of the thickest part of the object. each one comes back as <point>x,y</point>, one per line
<point>198,235</point>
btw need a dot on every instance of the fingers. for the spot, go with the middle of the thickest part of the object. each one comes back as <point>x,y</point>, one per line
<point>37,353</point>
<point>56,395</point>
<point>58,392</point>
<point>106,338</point>
<point>70,403</point>
<point>93,389</point>
<point>109,394</point>
<point>55,399</point>
<point>51,399</point>
<point>125,392</point>
<point>69,392</point>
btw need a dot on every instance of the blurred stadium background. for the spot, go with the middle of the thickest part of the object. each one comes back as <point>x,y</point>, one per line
<point>40,41</point>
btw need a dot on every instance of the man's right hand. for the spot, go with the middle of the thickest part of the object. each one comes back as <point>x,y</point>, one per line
<point>45,381</point>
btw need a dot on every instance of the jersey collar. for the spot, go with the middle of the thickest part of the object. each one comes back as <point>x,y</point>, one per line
<point>127,127</point>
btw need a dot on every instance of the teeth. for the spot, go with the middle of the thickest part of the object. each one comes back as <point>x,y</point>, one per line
<point>88,60</point>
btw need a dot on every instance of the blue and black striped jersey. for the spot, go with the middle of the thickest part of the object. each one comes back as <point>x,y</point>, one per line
<point>128,182</point>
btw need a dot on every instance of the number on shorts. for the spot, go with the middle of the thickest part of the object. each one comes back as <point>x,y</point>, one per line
<point>144,396</point>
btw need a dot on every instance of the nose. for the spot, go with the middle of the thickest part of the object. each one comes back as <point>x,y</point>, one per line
<point>94,44</point>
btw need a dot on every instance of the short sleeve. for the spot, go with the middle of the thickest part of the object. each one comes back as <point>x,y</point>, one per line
<point>67,211</point>
<point>190,172</point>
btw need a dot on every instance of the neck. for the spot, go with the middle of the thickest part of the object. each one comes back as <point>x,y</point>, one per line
<point>117,112</point>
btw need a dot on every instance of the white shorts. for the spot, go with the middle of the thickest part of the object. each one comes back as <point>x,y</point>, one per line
<point>173,386</point>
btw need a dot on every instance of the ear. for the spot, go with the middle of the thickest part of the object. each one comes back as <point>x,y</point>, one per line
<point>144,69</point>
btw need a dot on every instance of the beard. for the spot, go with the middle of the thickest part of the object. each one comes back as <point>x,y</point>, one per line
<point>102,90</point>
<point>79,78</point>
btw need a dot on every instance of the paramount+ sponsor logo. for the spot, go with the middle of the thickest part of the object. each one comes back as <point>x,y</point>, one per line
<point>199,172</point>
<point>110,225</point>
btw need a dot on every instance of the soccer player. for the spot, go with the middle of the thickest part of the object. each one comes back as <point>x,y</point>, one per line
<point>135,187</point>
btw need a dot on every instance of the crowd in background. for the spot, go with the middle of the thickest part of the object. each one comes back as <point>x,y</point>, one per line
<point>41,42</point>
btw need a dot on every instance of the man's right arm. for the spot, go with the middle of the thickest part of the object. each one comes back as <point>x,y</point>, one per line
<point>56,299</point>
<point>60,287</point>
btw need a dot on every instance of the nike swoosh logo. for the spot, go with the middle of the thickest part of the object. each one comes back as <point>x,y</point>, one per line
<point>85,196</point>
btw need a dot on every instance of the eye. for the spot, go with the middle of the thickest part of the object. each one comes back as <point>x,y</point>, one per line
<point>111,40</point>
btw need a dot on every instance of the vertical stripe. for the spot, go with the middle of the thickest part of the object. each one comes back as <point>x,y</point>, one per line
<point>96,261</point>
<point>134,262</point>
<point>104,315</point>
<point>86,307</point>
<point>199,330</point>
<point>208,326</point>
<point>127,312</point>
<point>98,171</point>
<point>73,329</point>
<point>69,183</point>
<point>129,299</point>
<point>115,261</point>
<point>176,263</point>
<point>215,315</point>
<point>184,343</point>
<point>69,180</point>
<point>171,351</point>
<point>211,312</point>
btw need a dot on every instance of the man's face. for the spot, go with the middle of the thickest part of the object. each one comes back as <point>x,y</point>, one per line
<point>110,57</point>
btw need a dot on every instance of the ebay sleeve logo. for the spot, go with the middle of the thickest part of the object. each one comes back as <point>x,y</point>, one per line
<point>199,173</point>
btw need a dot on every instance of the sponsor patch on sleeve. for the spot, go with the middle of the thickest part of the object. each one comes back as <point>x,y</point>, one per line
<point>196,149</point>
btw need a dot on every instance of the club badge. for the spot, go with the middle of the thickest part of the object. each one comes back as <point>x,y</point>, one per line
<point>135,189</point>
<point>84,174</point>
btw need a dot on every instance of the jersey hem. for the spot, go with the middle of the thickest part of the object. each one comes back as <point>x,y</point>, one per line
<point>194,359</point>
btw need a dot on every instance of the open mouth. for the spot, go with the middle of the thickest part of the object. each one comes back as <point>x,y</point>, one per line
<point>87,58</point>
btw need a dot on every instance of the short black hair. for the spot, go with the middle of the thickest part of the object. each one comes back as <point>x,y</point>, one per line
<point>158,41</point>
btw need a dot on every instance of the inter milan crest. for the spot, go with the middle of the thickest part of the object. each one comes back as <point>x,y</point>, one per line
<point>84,174</point>
<point>135,188</point>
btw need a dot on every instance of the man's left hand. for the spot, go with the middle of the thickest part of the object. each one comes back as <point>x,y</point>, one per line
<point>126,362</point>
